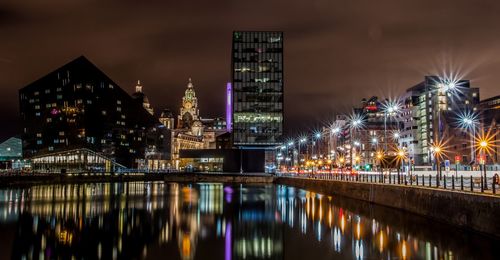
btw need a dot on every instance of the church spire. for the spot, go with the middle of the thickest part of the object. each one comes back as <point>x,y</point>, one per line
<point>138,87</point>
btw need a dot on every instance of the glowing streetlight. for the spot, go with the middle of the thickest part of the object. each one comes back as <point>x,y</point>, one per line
<point>469,121</point>
<point>485,143</point>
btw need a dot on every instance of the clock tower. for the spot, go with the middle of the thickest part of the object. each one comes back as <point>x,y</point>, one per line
<point>189,110</point>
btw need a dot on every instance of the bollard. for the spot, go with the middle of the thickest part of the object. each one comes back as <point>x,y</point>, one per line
<point>423,180</point>
<point>461,182</point>
<point>493,185</point>
<point>416,178</point>
<point>452,182</point>
<point>390,178</point>
<point>430,180</point>
<point>437,180</point>
<point>471,184</point>
<point>444,182</point>
<point>482,187</point>
<point>404,178</point>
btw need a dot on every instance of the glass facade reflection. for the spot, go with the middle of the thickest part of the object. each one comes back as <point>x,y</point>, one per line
<point>153,220</point>
<point>257,77</point>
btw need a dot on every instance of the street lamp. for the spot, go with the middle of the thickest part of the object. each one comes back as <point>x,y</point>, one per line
<point>485,147</point>
<point>356,121</point>
<point>469,120</point>
<point>301,141</point>
<point>290,144</point>
<point>401,156</point>
<point>390,108</point>
<point>437,149</point>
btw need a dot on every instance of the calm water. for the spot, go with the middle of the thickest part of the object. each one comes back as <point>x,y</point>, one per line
<point>157,220</point>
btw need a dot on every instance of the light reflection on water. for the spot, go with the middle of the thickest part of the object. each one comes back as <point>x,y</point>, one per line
<point>215,221</point>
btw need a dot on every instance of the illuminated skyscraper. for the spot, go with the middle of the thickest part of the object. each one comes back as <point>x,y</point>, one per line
<point>257,87</point>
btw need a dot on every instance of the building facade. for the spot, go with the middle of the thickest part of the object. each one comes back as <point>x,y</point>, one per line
<point>192,131</point>
<point>490,117</point>
<point>432,108</point>
<point>78,107</point>
<point>257,87</point>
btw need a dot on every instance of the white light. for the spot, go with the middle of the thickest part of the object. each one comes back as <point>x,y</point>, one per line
<point>374,140</point>
<point>290,143</point>
<point>303,140</point>
<point>396,135</point>
<point>318,135</point>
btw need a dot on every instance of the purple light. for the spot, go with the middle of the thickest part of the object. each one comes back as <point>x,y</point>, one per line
<point>229,106</point>
<point>54,111</point>
<point>227,245</point>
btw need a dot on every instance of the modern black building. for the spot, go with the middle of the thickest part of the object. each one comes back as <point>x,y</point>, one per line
<point>78,107</point>
<point>257,88</point>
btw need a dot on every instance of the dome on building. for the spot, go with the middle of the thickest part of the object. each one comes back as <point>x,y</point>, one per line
<point>142,98</point>
<point>197,128</point>
<point>167,113</point>
<point>197,123</point>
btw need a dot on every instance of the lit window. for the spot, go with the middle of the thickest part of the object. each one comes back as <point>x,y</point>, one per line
<point>47,91</point>
<point>467,102</point>
<point>103,112</point>
<point>49,120</point>
<point>38,134</point>
<point>59,96</point>
<point>474,94</point>
<point>118,102</point>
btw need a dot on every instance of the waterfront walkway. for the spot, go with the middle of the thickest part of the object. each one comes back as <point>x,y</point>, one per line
<point>472,184</point>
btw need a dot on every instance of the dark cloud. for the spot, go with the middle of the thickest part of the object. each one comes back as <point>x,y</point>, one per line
<point>336,52</point>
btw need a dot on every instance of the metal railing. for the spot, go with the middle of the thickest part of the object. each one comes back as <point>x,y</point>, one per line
<point>477,184</point>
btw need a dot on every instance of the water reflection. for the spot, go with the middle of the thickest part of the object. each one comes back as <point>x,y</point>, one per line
<point>214,221</point>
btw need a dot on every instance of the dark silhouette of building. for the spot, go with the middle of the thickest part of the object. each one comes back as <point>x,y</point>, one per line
<point>77,106</point>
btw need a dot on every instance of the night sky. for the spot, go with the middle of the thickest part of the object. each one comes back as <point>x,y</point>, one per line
<point>336,52</point>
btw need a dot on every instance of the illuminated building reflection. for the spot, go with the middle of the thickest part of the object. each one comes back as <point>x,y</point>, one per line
<point>214,221</point>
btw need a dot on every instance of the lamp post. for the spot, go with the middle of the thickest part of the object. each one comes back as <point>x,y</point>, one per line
<point>483,148</point>
<point>390,108</point>
<point>401,155</point>
<point>301,141</point>
<point>318,138</point>
<point>290,144</point>
<point>356,122</point>
<point>468,121</point>
<point>437,153</point>
<point>379,158</point>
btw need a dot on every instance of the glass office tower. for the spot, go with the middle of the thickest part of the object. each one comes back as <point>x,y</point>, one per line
<point>257,77</point>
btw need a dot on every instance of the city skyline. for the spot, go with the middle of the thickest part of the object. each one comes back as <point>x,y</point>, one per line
<point>328,49</point>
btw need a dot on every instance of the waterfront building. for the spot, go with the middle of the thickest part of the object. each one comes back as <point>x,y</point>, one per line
<point>378,133</point>
<point>11,154</point>
<point>430,114</point>
<point>257,85</point>
<point>490,117</point>
<point>192,131</point>
<point>77,109</point>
